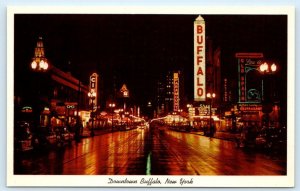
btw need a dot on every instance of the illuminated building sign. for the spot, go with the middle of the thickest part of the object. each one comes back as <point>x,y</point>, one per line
<point>199,59</point>
<point>26,109</point>
<point>225,91</point>
<point>192,111</point>
<point>46,111</point>
<point>203,109</point>
<point>94,87</point>
<point>124,91</point>
<point>71,105</point>
<point>176,92</point>
<point>250,107</point>
<point>247,63</point>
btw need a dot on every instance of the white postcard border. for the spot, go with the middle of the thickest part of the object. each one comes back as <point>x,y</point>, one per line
<point>198,181</point>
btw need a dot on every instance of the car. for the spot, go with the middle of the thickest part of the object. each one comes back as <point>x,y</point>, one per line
<point>272,138</point>
<point>247,137</point>
<point>268,138</point>
<point>63,136</point>
<point>22,136</point>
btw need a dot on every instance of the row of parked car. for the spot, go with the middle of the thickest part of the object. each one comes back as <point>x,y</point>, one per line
<point>272,138</point>
<point>28,138</point>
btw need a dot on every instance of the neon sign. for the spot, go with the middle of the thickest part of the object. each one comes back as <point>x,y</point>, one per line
<point>176,92</point>
<point>199,59</point>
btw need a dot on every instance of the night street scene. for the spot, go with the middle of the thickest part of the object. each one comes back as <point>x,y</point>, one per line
<point>150,94</point>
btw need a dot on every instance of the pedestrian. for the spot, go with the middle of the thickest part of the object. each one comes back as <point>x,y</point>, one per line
<point>212,130</point>
<point>78,130</point>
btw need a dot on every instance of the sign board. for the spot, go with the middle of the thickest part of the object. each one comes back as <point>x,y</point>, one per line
<point>199,60</point>
<point>246,63</point>
<point>26,109</point>
<point>250,107</point>
<point>94,88</point>
<point>176,91</point>
<point>124,91</point>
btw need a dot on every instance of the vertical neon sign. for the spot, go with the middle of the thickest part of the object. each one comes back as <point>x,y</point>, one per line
<point>94,87</point>
<point>176,91</point>
<point>199,59</point>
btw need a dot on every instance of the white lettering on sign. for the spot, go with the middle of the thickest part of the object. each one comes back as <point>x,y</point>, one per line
<point>176,91</point>
<point>94,88</point>
<point>93,82</point>
<point>199,60</point>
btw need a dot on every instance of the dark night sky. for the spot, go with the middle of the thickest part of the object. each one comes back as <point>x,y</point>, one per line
<point>138,49</point>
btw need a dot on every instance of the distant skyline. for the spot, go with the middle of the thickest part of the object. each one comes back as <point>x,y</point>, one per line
<point>139,49</point>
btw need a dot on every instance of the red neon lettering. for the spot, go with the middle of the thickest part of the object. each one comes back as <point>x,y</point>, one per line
<point>199,49</point>
<point>199,59</point>
<point>200,91</point>
<point>199,71</point>
<point>200,39</point>
<point>198,82</point>
<point>199,29</point>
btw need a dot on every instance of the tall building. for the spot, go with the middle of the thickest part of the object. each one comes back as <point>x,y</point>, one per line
<point>165,102</point>
<point>46,95</point>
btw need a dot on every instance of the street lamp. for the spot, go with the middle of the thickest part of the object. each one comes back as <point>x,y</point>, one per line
<point>127,118</point>
<point>92,96</point>
<point>39,61</point>
<point>38,65</point>
<point>266,70</point>
<point>190,114</point>
<point>111,106</point>
<point>210,96</point>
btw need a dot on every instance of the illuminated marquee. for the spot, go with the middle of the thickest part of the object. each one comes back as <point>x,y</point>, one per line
<point>94,87</point>
<point>250,107</point>
<point>176,91</point>
<point>199,59</point>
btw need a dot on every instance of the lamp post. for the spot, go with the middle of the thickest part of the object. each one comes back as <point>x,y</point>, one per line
<point>188,106</point>
<point>111,106</point>
<point>210,96</point>
<point>267,69</point>
<point>39,61</point>
<point>92,96</point>
<point>127,116</point>
<point>38,65</point>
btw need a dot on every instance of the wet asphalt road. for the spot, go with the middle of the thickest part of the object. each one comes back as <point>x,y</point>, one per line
<point>150,152</point>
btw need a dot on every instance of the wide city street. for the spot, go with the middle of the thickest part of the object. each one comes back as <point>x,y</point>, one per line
<point>150,151</point>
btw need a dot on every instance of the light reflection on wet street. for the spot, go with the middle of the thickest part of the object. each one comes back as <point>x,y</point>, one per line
<point>179,153</point>
<point>156,152</point>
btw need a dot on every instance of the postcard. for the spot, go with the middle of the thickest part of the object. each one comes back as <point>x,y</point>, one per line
<point>150,96</point>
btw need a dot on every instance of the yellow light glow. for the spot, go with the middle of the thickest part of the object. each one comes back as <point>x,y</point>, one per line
<point>33,65</point>
<point>273,67</point>
<point>42,64</point>
<point>46,66</point>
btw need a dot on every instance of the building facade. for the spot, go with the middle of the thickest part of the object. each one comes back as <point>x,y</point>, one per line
<point>48,97</point>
